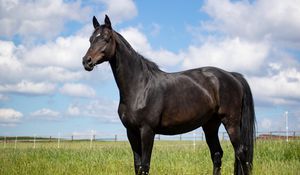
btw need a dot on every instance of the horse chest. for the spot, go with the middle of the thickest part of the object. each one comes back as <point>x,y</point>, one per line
<point>128,116</point>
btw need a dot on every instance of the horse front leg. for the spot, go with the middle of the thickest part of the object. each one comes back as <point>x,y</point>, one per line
<point>147,139</point>
<point>134,138</point>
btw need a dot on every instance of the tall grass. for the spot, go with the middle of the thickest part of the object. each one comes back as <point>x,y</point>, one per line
<point>168,157</point>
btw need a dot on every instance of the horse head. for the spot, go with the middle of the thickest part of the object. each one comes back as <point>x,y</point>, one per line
<point>102,45</point>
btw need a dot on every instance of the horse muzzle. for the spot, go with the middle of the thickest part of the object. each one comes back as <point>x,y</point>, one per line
<point>88,63</point>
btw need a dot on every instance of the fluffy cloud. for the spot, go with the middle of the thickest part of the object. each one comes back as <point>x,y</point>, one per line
<point>28,87</point>
<point>278,21</point>
<point>46,113</point>
<point>103,110</point>
<point>38,18</point>
<point>9,116</point>
<point>64,52</point>
<point>281,87</point>
<point>73,110</point>
<point>252,39</point>
<point>273,123</point>
<point>141,44</point>
<point>120,10</point>
<point>10,66</point>
<point>54,74</point>
<point>232,54</point>
<point>77,90</point>
<point>59,61</point>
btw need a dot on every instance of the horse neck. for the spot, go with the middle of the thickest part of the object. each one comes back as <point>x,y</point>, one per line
<point>128,71</point>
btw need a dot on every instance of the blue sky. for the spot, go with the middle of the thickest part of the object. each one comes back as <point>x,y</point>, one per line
<point>44,89</point>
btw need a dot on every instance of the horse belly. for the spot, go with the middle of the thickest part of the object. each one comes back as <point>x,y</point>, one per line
<point>186,114</point>
<point>175,128</point>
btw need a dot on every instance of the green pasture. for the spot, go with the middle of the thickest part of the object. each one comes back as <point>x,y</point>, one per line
<point>115,158</point>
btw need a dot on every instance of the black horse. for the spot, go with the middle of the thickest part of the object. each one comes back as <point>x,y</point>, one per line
<point>155,102</point>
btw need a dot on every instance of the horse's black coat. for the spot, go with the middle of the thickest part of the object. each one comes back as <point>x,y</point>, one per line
<point>155,102</point>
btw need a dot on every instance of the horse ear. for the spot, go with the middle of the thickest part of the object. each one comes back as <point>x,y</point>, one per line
<point>95,22</point>
<point>107,22</point>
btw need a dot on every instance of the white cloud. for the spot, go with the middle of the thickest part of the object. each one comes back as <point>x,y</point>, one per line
<point>77,90</point>
<point>28,87</point>
<point>263,34</point>
<point>278,21</point>
<point>232,54</point>
<point>57,63</point>
<point>136,38</point>
<point>10,66</point>
<point>64,52</point>
<point>103,110</point>
<point>38,18</point>
<point>280,88</point>
<point>73,110</point>
<point>141,44</point>
<point>36,70</point>
<point>273,121</point>
<point>46,113</point>
<point>9,116</point>
<point>120,10</point>
<point>54,74</point>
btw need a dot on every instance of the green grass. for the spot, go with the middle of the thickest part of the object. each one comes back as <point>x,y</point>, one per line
<point>169,157</point>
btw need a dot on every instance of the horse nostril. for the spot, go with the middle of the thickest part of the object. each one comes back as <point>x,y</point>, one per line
<point>89,59</point>
<point>86,60</point>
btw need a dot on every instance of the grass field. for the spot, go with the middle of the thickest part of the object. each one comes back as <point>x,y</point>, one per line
<point>115,158</point>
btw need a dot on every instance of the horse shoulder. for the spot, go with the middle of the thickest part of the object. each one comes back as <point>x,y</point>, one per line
<point>143,106</point>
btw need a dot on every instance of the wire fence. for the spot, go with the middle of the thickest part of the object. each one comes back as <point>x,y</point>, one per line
<point>192,138</point>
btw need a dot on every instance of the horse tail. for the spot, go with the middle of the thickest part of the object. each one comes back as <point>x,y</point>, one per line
<point>247,124</point>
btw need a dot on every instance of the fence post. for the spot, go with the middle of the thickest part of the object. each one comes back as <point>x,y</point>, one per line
<point>223,136</point>
<point>294,134</point>
<point>116,137</point>
<point>72,138</point>
<point>34,141</point>
<point>16,142</point>
<point>180,137</point>
<point>50,139</point>
<point>58,140</point>
<point>4,141</point>
<point>91,142</point>
<point>202,137</point>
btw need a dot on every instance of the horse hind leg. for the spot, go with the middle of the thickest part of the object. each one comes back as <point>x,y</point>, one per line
<point>241,165</point>
<point>211,134</point>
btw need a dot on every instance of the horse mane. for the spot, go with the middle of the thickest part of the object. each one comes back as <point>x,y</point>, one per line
<point>146,63</point>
